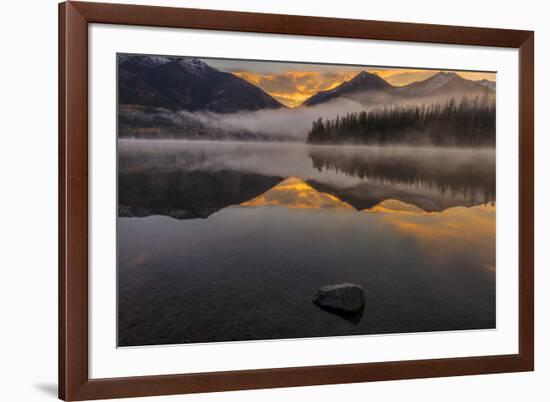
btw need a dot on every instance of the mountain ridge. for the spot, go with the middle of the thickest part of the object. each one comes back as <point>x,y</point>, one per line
<point>365,84</point>
<point>363,81</point>
<point>186,83</point>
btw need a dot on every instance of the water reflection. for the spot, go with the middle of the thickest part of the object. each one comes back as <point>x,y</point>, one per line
<point>295,193</point>
<point>186,179</point>
<point>251,272</point>
<point>466,172</point>
<point>445,234</point>
<point>396,207</point>
<point>260,227</point>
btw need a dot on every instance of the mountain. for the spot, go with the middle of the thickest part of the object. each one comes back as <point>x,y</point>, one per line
<point>131,65</point>
<point>372,89</point>
<point>443,84</point>
<point>489,84</point>
<point>360,84</point>
<point>181,83</point>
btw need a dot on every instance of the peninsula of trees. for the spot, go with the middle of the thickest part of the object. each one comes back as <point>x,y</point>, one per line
<point>468,122</point>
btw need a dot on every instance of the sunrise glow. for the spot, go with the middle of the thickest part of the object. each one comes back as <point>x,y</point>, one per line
<point>292,88</point>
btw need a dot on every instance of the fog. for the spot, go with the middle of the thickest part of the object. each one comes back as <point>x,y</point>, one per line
<point>286,124</point>
<point>453,170</point>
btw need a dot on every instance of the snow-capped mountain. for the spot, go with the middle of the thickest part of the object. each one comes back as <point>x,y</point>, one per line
<point>370,88</point>
<point>443,83</point>
<point>360,84</point>
<point>489,84</point>
<point>181,83</point>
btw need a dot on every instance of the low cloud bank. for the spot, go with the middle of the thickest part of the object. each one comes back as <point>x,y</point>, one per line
<point>278,123</point>
<point>273,124</point>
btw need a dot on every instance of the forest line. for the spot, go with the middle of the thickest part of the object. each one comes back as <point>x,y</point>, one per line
<point>468,122</point>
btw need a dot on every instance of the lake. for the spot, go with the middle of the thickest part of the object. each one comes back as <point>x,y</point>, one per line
<point>229,241</point>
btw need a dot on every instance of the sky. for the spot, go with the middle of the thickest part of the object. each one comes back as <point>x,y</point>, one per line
<point>293,83</point>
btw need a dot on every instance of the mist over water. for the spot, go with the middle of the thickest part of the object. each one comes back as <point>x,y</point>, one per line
<point>224,240</point>
<point>269,124</point>
<point>443,176</point>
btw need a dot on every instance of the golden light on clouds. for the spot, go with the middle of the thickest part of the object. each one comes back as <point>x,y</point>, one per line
<point>292,88</point>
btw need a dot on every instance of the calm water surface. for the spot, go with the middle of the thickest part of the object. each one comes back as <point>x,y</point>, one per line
<point>229,241</point>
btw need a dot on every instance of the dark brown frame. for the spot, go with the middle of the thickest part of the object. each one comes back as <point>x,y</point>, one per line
<point>74,383</point>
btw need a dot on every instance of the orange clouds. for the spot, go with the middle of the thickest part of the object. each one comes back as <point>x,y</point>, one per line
<point>399,77</point>
<point>291,88</point>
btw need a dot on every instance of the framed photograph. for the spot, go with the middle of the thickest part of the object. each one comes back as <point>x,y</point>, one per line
<point>259,200</point>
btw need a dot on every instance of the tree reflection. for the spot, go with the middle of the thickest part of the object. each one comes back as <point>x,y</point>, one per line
<point>466,173</point>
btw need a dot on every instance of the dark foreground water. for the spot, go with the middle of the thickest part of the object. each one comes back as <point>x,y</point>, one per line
<point>228,241</point>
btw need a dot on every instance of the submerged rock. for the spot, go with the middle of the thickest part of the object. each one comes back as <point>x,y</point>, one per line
<point>343,297</point>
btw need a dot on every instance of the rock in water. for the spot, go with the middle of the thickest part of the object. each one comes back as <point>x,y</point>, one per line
<point>343,297</point>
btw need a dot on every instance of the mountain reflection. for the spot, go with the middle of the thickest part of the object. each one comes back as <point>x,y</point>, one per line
<point>189,180</point>
<point>184,194</point>
<point>295,193</point>
<point>452,231</point>
<point>441,233</point>
<point>395,206</point>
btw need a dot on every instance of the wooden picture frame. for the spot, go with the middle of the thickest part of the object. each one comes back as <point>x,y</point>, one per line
<point>74,381</point>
